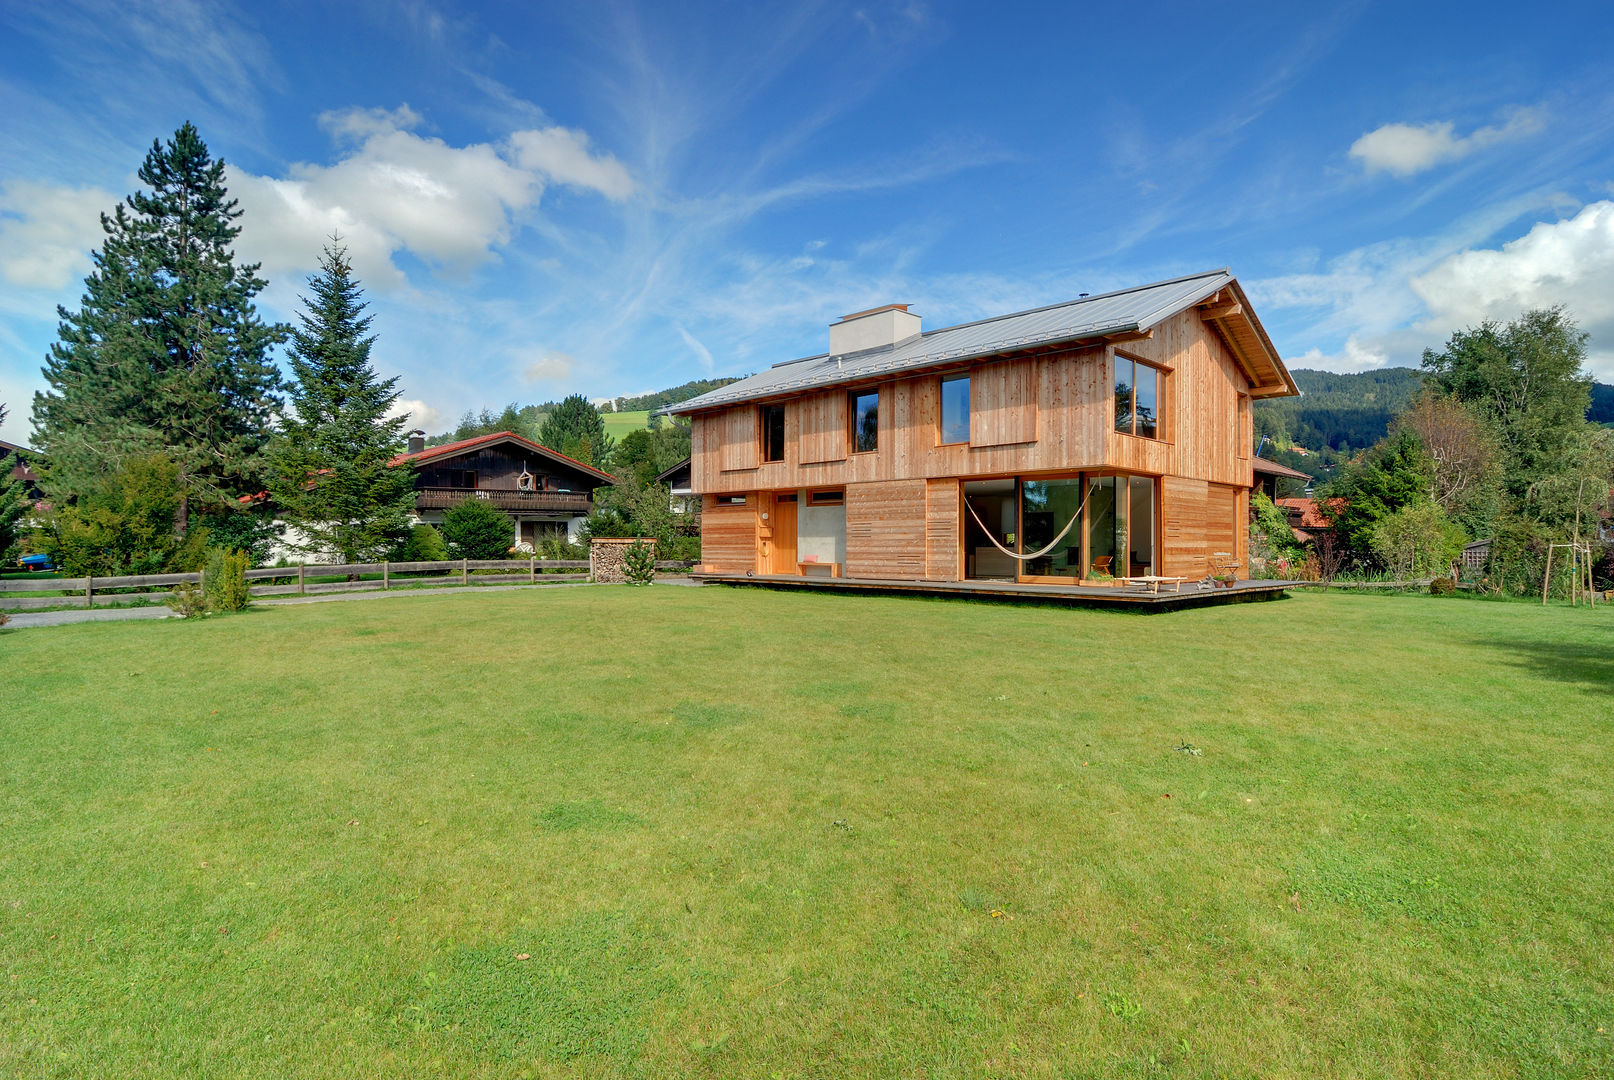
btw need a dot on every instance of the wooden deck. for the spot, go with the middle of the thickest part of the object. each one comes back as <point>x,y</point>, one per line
<point>1072,595</point>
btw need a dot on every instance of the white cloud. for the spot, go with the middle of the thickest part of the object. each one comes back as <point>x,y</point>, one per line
<point>563,155</point>
<point>359,124</point>
<point>1568,262</point>
<point>393,191</point>
<point>420,414</point>
<point>1356,356</point>
<point>549,367</point>
<point>1405,149</point>
<point>701,351</point>
<point>47,233</point>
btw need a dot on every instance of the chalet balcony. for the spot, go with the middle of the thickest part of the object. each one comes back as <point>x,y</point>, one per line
<point>510,500</point>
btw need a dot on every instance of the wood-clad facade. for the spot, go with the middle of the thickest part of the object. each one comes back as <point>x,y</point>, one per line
<point>1042,449</point>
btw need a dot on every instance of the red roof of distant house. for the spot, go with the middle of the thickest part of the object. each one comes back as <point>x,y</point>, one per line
<point>1311,515</point>
<point>450,449</point>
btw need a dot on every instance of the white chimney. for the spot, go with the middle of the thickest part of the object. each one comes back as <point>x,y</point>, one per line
<point>872,329</point>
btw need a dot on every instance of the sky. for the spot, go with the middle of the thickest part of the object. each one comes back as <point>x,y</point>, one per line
<point>612,198</point>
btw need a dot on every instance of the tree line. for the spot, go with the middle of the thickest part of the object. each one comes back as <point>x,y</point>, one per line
<point>1496,445</point>
<point>166,428</point>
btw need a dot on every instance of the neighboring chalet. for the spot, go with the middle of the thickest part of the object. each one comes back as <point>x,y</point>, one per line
<point>1109,437</point>
<point>1269,477</point>
<point>546,494</point>
<point>17,462</point>
<point>681,497</point>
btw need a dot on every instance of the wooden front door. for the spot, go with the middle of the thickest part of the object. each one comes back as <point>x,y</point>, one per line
<point>782,559</point>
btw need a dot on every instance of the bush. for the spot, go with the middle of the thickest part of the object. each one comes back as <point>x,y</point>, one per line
<point>557,548</point>
<point>1442,586</point>
<point>423,544</point>
<point>639,563</point>
<point>476,529</point>
<point>1415,540</point>
<point>224,581</point>
<point>189,601</point>
<point>125,526</point>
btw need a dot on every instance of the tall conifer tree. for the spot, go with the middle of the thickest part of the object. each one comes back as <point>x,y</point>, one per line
<point>167,354</point>
<point>331,476</point>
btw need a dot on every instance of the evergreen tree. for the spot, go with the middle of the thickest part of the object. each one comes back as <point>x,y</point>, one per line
<point>331,476</point>
<point>167,355</point>
<point>574,428</point>
<point>476,529</point>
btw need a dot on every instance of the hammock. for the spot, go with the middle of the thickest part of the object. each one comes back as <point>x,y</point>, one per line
<point>1035,554</point>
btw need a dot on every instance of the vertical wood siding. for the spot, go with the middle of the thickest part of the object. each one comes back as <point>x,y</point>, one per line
<point>1003,403</point>
<point>1182,518</point>
<point>885,530</point>
<point>823,426</point>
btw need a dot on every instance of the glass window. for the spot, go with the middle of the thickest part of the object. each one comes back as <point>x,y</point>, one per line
<point>1123,394</point>
<point>865,422</point>
<point>1046,507</point>
<point>773,433</point>
<point>825,498</point>
<point>1106,527</point>
<point>731,500</point>
<point>1137,398</point>
<point>955,409</point>
<point>1146,391</point>
<point>1141,530</point>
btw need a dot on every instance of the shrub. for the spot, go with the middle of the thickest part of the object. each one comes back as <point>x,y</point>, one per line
<point>557,548</point>
<point>1416,540</point>
<point>476,529</point>
<point>224,581</point>
<point>1442,586</point>
<point>639,563</point>
<point>189,601</point>
<point>423,544</point>
<point>125,526</point>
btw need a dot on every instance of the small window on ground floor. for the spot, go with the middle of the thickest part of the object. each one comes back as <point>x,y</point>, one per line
<point>826,498</point>
<point>730,500</point>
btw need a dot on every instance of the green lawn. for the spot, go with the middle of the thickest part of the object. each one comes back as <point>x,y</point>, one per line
<point>737,833</point>
<point>621,423</point>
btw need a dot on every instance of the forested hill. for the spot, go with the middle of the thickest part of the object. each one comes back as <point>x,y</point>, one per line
<point>1338,411</point>
<point>663,398</point>
<point>1602,410</point>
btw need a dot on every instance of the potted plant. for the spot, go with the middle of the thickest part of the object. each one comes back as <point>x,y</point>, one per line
<point>1224,580</point>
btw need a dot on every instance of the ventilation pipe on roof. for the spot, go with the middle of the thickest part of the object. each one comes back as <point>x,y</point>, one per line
<point>873,329</point>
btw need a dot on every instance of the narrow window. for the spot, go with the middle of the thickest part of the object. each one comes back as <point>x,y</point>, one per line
<point>773,433</point>
<point>865,422</point>
<point>825,498</point>
<point>731,500</point>
<point>1123,394</point>
<point>955,409</point>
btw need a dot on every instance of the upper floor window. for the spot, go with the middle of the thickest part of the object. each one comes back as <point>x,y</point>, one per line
<point>773,433</point>
<point>955,409</point>
<point>865,409</point>
<point>1137,397</point>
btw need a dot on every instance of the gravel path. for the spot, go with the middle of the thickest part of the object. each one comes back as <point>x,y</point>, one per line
<point>23,619</point>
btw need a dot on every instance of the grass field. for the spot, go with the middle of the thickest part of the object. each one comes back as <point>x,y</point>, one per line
<point>735,833</point>
<point>621,423</point>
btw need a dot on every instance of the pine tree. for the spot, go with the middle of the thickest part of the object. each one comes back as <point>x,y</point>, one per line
<point>166,355</point>
<point>331,477</point>
<point>575,429</point>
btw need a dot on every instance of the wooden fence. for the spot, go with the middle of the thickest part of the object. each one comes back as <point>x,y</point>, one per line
<point>295,580</point>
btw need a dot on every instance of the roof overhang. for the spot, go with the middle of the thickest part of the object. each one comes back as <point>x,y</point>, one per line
<point>1228,311</point>
<point>482,442</point>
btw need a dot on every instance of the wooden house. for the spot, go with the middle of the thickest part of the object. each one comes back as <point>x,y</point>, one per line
<point>1105,437</point>
<point>546,494</point>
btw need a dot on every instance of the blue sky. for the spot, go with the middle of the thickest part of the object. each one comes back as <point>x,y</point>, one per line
<point>612,198</point>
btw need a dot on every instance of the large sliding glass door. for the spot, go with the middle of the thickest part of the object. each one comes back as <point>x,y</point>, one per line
<point>1113,533</point>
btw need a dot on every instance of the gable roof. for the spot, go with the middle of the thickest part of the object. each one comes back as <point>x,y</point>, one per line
<point>1135,310</point>
<point>1273,468</point>
<point>455,448</point>
<point>667,474</point>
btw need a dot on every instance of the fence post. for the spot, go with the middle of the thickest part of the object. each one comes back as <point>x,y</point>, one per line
<point>300,579</point>
<point>386,574</point>
<point>89,591</point>
<point>532,570</point>
<point>465,571</point>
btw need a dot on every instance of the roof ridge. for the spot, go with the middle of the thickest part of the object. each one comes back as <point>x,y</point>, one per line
<point>1078,300</point>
